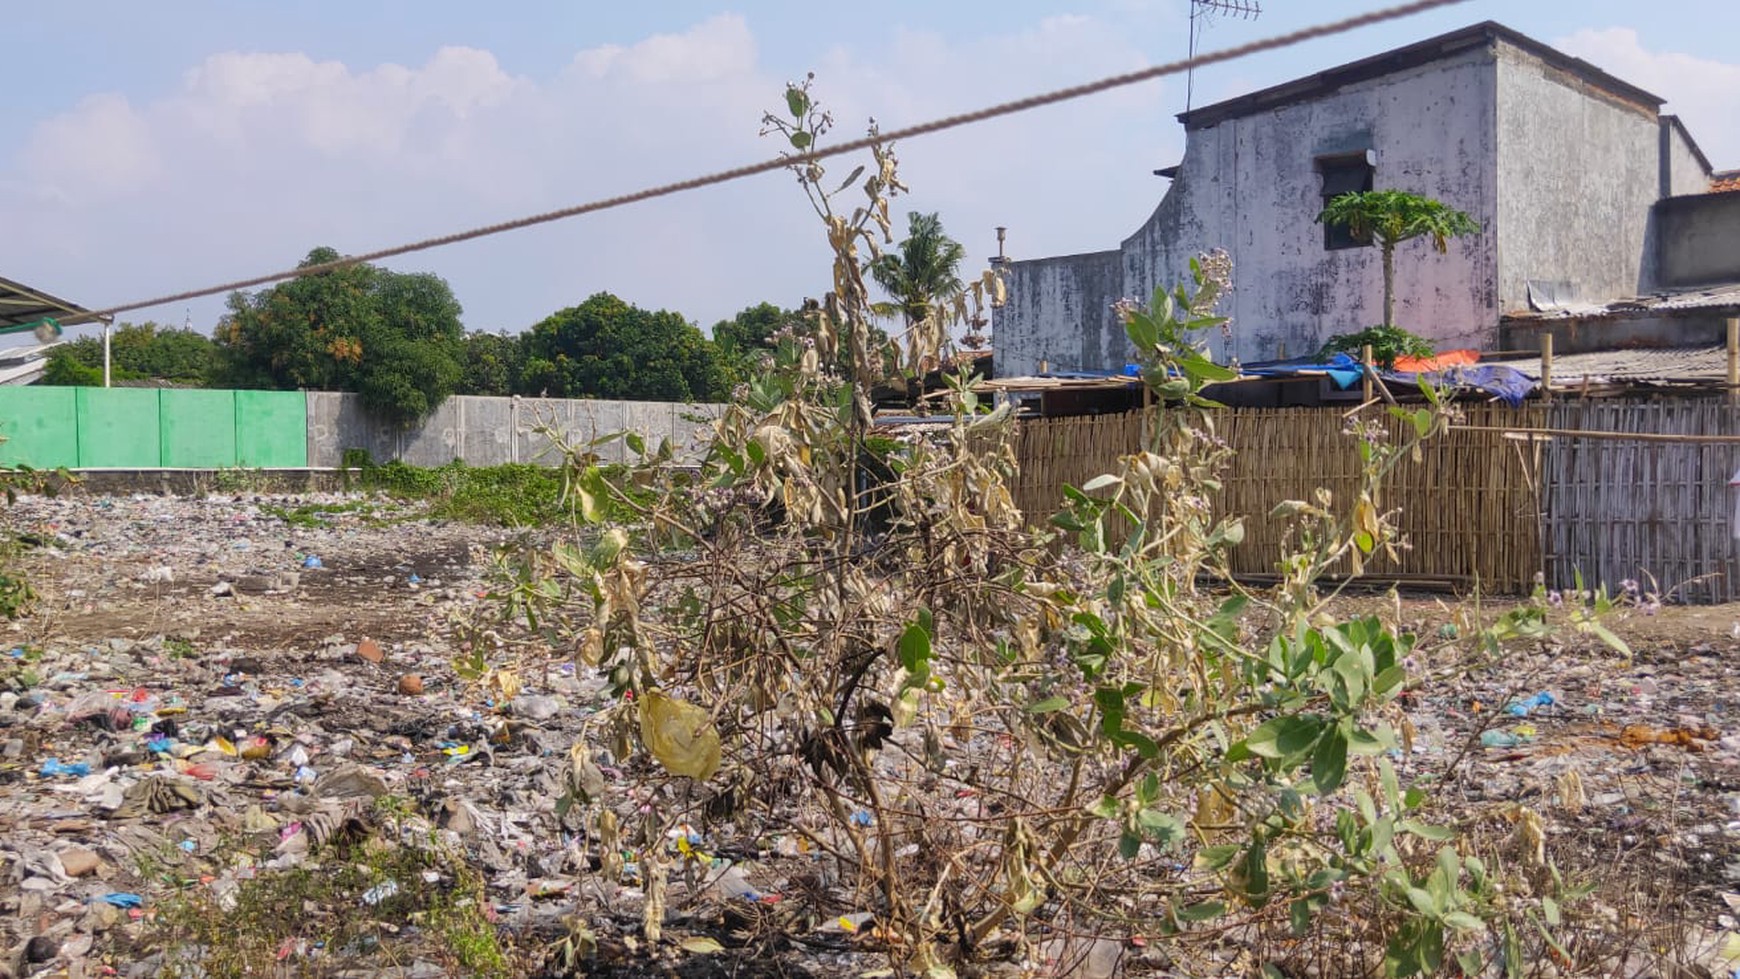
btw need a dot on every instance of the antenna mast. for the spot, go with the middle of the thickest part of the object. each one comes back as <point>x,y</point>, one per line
<point>1200,11</point>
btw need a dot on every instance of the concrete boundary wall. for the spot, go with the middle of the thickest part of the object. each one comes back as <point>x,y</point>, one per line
<point>493,431</point>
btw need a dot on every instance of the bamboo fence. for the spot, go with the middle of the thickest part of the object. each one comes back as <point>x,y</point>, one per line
<point>1658,511</point>
<point>1469,510</point>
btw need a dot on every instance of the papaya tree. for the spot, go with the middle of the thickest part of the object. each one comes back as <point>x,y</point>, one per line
<point>1386,218</point>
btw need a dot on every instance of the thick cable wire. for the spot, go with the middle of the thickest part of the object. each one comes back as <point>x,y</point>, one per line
<point>785,160</point>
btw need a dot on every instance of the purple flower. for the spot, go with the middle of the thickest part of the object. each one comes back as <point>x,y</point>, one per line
<point>1629,586</point>
<point>1555,599</point>
<point>1651,607</point>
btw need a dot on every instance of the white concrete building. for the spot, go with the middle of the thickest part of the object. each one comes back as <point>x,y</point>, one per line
<point>1561,163</point>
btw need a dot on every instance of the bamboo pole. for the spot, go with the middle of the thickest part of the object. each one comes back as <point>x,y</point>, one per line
<point>1587,433</point>
<point>1546,367</point>
<point>1734,360</point>
<point>1365,361</point>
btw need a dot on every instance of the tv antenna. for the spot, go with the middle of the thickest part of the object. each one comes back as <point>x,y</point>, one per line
<point>1200,12</point>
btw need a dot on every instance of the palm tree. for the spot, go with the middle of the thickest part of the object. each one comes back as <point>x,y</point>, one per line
<point>924,271</point>
<point>1387,218</point>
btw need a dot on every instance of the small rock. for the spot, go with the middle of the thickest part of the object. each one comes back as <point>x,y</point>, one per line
<point>351,781</point>
<point>410,685</point>
<point>41,949</point>
<point>223,589</point>
<point>78,861</point>
<point>370,651</point>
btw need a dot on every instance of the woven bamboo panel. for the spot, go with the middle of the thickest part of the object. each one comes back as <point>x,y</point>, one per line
<point>1655,511</point>
<point>1469,508</point>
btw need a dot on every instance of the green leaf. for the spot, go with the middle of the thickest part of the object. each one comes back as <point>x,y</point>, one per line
<point>1252,876</point>
<point>1463,921</point>
<point>1163,828</point>
<point>1129,844</point>
<point>1048,705</point>
<point>1550,909</point>
<point>800,140</point>
<point>1106,807</point>
<point>1427,831</point>
<point>1388,680</point>
<point>1285,737</point>
<point>1206,911</point>
<point>797,100</point>
<point>1299,915</point>
<point>914,650</point>
<point>1143,332</point>
<point>1101,482</point>
<point>1216,858</point>
<point>1423,901</point>
<point>1203,369</point>
<point>1329,761</point>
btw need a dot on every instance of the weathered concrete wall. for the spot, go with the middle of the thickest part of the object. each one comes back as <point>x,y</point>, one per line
<point>1059,314</point>
<point>1578,170</point>
<point>1251,185</point>
<point>492,431</point>
<point>1685,171</point>
<point>1699,239</point>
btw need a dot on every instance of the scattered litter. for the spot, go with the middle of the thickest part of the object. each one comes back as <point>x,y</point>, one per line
<point>1522,708</point>
<point>52,767</point>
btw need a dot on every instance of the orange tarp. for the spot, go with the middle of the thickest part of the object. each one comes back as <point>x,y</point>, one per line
<point>1437,362</point>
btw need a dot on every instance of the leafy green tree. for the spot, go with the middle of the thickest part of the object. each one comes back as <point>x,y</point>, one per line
<point>393,337</point>
<point>136,352</point>
<point>923,271</point>
<point>1386,218</point>
<point>747,339</point>
<point>67,370</point>
<point>608,348</point>
<point>492,364</point>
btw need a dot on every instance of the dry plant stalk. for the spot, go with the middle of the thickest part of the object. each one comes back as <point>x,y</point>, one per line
<point>991,731</point>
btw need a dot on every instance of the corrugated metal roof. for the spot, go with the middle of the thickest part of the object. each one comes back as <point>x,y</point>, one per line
<point>1704,299</point>
<point>1684,365</point>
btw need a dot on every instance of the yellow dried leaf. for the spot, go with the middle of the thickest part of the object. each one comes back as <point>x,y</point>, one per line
<point>680,735</point>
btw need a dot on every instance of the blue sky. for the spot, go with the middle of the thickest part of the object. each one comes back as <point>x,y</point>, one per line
<point>159,147</point>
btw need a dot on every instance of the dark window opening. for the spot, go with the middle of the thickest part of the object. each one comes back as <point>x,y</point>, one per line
<point>1343,175</point>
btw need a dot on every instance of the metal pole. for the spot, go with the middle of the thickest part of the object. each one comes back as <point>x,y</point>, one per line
<point>106,324</point>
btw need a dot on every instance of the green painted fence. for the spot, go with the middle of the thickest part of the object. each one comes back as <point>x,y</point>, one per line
<point>150,428</point>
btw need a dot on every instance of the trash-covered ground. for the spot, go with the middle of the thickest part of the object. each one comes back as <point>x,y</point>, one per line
<point>232,740</point>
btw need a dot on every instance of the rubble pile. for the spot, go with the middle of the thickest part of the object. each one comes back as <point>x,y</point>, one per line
<point>218,692</point>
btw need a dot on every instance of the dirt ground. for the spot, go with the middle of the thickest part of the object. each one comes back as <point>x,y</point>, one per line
<point>226,608</point>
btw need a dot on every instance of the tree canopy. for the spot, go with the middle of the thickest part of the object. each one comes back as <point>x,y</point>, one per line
<point>923,270</point>
<point>393,337</point>
<point>137,351</point>
<point>608,348</point>
<point>1387,218</point>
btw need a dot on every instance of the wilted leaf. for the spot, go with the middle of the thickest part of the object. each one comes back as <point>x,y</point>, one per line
<point>701,945</point>
<point>681,736</point>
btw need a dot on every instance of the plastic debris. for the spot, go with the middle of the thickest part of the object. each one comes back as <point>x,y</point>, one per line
<point>1522,708</point>
<point>380,892</point>
<point>122,899</point>
<point>54,766</point>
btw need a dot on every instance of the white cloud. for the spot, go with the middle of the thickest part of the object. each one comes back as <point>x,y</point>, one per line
<point>1704,93</point>
<point>257,157</point>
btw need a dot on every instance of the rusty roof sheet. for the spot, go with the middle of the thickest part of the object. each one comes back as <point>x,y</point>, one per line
<point>1678,365</point>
